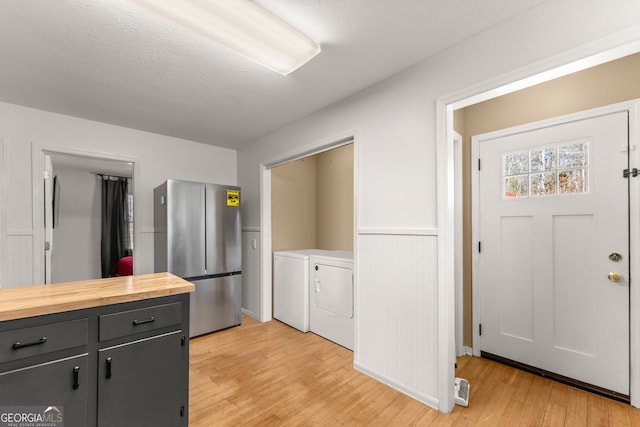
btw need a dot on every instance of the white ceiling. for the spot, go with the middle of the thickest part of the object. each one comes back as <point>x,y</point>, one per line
<point>111,61</point>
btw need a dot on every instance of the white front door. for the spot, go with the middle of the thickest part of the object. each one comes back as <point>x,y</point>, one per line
<point>553,262</point>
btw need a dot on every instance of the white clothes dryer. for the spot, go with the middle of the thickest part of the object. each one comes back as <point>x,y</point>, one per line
<point>331,308</point>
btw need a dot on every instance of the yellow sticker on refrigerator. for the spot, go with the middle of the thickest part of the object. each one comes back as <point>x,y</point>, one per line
<point>233,198</point>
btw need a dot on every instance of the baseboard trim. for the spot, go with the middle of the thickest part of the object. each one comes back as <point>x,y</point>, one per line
<point>251,314</point>
<point>420,397</point>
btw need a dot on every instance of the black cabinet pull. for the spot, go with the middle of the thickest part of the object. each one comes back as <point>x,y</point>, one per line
<point>108,375</point>
<point>141,322</point>
<point>76,377</point>
<point>29,344</point>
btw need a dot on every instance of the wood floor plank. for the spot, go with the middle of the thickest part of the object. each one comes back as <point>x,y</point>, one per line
<point>597,411</point>
<point>577,404</point>
<point>619,414</point>
<point>268,374</point>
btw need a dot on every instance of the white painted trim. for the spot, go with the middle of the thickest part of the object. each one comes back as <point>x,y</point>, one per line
<point>266,286</point>
<point>398,231</point>
<point>458,240</point>
<point>356,243</point>
<point>420,397</point>
<point>634,260</point>
<point>446,283</point>
<point>19,232</point>
<point>475,238</point>
<point>603,50</point>
<point>633,108</point>
<point>554,121</point>
<point>3,215</point>
<point>37,203</point>
<point>250,314</point>
<point>310,150</point>
<point>37,163</point>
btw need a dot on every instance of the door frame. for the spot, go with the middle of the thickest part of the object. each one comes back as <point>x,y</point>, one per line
<point>37,164</point>
<point>633,109</point>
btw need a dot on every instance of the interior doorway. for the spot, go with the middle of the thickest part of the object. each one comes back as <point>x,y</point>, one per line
<point>532,79</point>
<point>73,214</point>
<point>266,210</point>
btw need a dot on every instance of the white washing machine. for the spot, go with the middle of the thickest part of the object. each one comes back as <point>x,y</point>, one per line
<point>291,288</point>
<point>331,309</point>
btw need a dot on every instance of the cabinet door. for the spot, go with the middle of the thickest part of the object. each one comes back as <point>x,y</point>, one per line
<point>139,383</point>
<point>56,389</point>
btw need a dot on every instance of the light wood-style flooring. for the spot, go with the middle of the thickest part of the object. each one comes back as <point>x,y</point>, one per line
<point>268,374</point>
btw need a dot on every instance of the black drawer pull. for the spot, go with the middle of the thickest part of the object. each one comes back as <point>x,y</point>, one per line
<point>29,344</point>
<point>108,374</point>
<point>76,377</point>
<point>141,322</point>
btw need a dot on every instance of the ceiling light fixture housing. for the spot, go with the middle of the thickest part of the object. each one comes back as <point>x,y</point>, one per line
<point>244,27</point>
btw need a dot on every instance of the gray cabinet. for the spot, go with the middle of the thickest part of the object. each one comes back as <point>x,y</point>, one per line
<point>120,365</point>
<point>139,383</point>
<point>59,385</point>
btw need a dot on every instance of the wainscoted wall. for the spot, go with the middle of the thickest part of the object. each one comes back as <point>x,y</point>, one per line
<point>143,259</point>
<point>19,264</point>
<point>396,304</point>
<point>251,272</point>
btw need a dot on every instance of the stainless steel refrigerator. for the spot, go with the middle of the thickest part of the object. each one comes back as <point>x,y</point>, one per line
<point>197,237</point>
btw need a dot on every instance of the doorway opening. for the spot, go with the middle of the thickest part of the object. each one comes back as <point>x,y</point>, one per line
<point>73,215</point>
<point>267,210</point>
<point>624,50</point>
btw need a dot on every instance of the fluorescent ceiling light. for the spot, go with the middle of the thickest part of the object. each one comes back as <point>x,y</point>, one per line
<point>244,27</point>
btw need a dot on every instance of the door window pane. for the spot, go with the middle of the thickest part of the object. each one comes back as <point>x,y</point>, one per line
<point>516,163</point>
<point>543,184</point>
<point>573,181</point>
<point>516,186</point>
<point>546,171</point>
<point>543,159</point>
<point>573,155</point>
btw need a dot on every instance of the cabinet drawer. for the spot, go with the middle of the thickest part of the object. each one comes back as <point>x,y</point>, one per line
<point>141,320</point>
<point>27,342</point>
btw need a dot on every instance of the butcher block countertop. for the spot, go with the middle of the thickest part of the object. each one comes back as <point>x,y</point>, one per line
<point>18,303</point>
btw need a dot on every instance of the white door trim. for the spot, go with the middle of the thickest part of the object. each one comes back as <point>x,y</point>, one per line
<point>3,209</point>
<point>633,108</point>
<point>37,164</point>
<point>458,242</point>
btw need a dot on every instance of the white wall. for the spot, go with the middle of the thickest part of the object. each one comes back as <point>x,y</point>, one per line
<point>25,131</point>
<point>76,239</point>
<point>251,272</point>
<point>399,322</point>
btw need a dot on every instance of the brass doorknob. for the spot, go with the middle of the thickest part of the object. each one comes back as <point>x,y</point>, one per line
<point>615,277</point>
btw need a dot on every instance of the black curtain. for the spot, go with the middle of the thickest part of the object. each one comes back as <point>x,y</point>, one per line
<point>115,232</point>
